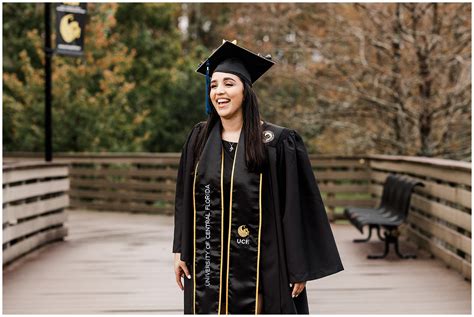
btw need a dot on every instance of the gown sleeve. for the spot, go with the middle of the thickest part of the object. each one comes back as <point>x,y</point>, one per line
<point>179,205</point>
<point>311,251</point>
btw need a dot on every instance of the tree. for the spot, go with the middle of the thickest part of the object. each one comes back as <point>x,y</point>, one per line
<point>166,85</point>
<point>352,78</point>
<point>410,65</point>
<point>371,78</point>
<point>90,108</point>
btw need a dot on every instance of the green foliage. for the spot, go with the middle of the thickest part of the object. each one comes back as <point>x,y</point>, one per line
<point>166,84</point>
<point>133,90</point>
<point>90,107</point>
<point>18,20</point>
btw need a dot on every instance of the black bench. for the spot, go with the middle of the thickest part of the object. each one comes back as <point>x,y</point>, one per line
<point>391,213</point>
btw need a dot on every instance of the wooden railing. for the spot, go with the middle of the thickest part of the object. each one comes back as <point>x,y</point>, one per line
<point>440,215</point>
<point>143,183</point>
<point>34,202</point>
<point>146,182</point>
<point>343,181</point>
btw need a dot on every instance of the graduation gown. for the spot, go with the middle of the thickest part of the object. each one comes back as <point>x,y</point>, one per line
<point>297,243</point>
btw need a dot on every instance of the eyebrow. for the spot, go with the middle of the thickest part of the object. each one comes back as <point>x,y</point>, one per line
<point>225,78</point>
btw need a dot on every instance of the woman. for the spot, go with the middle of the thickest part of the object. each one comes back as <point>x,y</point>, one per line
<point>250,224</point>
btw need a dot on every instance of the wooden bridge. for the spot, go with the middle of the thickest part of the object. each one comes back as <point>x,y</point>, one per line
<point>109,262</point>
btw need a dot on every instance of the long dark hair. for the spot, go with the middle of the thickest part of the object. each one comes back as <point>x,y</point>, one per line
<point>254,148</point>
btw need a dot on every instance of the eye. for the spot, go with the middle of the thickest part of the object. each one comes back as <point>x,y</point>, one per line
<point>229,84</point>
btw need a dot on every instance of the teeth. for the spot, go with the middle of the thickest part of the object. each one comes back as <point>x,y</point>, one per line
<point>222,100</point>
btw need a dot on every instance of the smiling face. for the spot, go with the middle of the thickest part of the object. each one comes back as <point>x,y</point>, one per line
<point>227,94</point>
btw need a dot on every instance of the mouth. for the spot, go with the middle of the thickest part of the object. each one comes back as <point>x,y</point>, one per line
<point>221,102</point>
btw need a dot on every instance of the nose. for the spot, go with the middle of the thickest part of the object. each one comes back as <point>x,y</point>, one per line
<point>219,89</point>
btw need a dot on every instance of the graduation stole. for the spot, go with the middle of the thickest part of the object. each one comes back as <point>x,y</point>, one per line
<point>243,241</point>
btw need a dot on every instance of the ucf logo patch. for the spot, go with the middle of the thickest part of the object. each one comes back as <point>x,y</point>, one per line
<point>243,232</point>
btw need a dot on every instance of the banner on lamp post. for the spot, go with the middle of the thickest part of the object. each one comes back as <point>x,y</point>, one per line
<point>70,28</point>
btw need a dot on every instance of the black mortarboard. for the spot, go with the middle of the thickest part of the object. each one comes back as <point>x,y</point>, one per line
<point>231,58</point>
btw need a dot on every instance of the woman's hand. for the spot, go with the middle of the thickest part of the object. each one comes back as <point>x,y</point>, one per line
<point>180,269</point>
<point>297,288</point>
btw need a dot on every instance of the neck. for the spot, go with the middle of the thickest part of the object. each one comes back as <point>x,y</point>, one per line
<point>232,125</point>
<point>231,128</point>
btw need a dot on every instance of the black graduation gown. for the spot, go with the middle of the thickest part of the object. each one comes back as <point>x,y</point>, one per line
<point>297,243</point>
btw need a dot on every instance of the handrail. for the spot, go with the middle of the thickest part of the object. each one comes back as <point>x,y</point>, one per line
<point>34,201</point>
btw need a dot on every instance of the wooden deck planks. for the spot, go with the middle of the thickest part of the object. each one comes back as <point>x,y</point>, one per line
<point>119,263</point>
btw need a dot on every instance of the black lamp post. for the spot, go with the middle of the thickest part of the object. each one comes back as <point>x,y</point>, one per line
<point>48,50</point>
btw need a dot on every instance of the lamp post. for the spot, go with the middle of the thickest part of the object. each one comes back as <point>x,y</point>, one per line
<point>70,23</point>
<point>48,53</point>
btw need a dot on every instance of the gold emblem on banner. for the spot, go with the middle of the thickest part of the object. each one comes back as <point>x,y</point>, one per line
<point>69,29</point>
<point>243,231</point>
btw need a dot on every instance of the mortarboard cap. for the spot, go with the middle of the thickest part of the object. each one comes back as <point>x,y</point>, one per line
<point>234,59</point>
